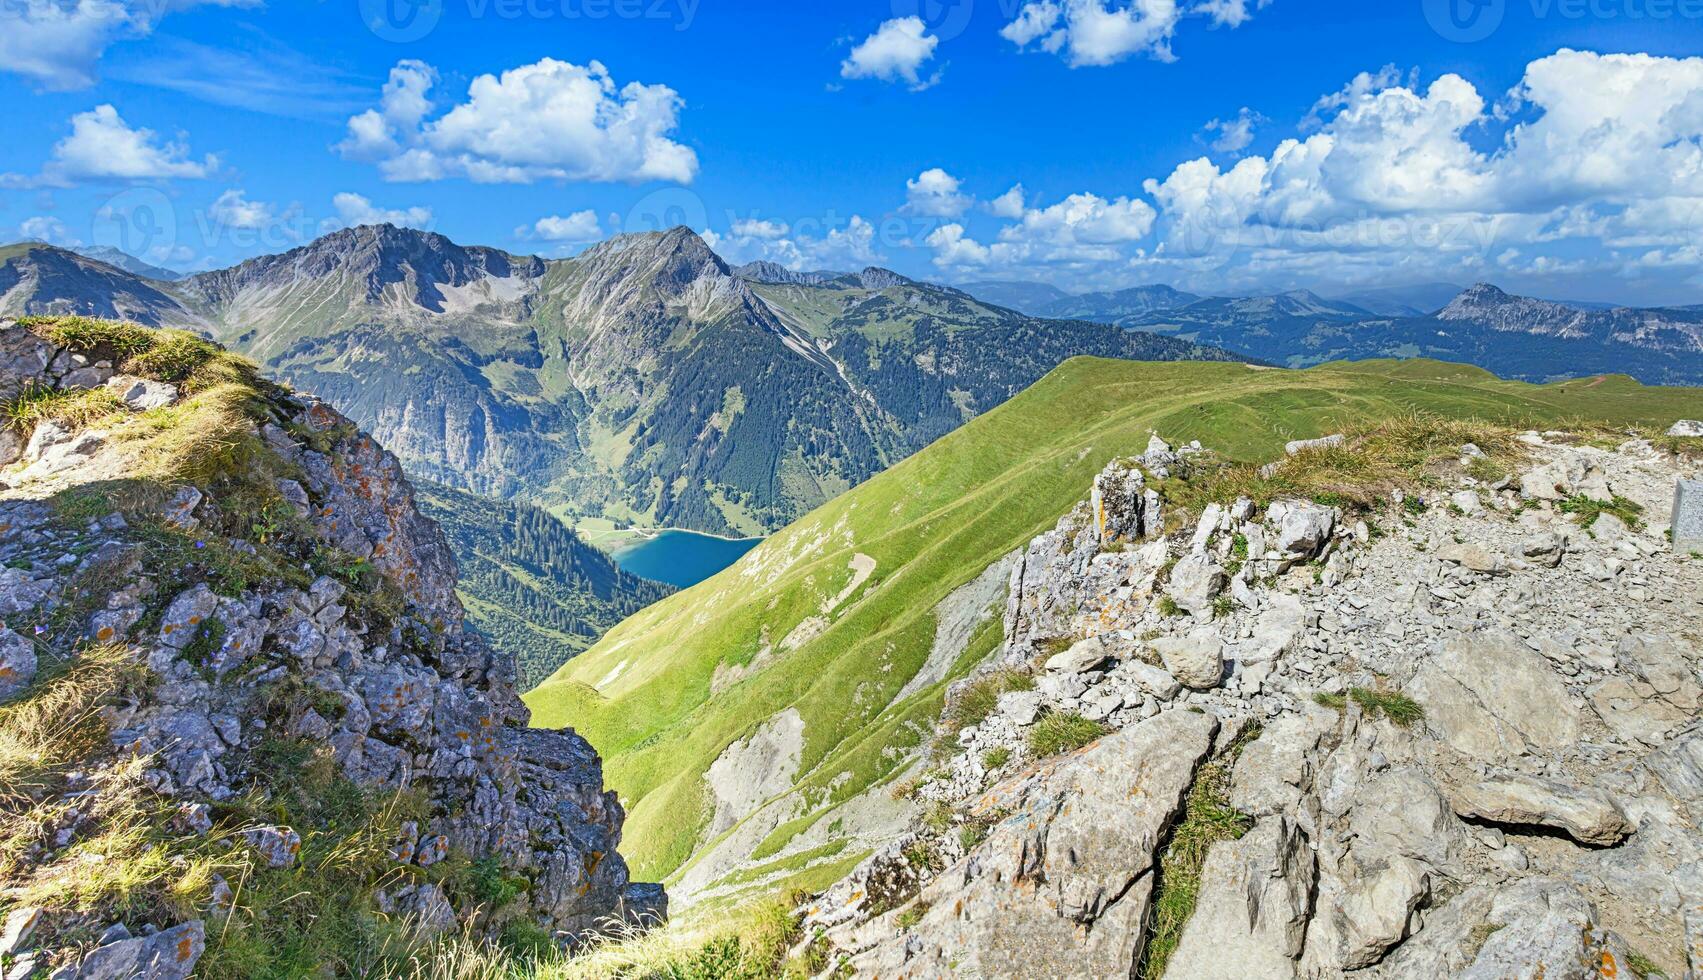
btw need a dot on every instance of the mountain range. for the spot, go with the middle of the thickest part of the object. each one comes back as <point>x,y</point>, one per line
<point>643,380</point>
<point>1514,336</point>
<point>646,381</point>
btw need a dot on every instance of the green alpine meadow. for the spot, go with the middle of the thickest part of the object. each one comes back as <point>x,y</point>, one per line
<point>833,616</point>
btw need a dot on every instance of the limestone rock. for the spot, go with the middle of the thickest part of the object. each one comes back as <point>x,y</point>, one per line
<point>167,955</point>
<point>1687,523</point>
<point>1083,656</point>
<point>1473,557</point>
<point>1022,707</point>
<point>1296,446</point>
<point>1197,659</point>
<point>1491,697</point>
<point>1117,503</point>
<point>19,925</point>
<point>1545,930</point>
<point>1250,919</point>
<point>1589,816</point>
<point>17,664</point>
<point>1061,887</point>
<point>1195,579</point>
<point>277,846</point>
<point>1555,479</point>
<point>1377,910</point>
<point>141,394</point>
<point>1545,548</point>
<point>1302,526</point>
<point>1687,428</point>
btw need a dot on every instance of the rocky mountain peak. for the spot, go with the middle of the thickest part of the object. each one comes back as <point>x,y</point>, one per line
<point>875,277</point>
<point>377,258</point>
<point>776,274</point>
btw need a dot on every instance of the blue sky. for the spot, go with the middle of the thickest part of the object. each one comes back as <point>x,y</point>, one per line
<point>888,132</point>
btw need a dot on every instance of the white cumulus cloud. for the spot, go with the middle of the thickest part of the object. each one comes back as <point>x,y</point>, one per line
<point>551,120</point>
<point>47,229</point>
<point>805,246</point>
<point>1104,32</point>
<point>581,226</point>
<point>57,44</point>
<point>1236,133</point>
<point>935,193</point>
<point>895,52</point>
<point>233,209</point>
<point>102,146</point>
<point>1009,204</point>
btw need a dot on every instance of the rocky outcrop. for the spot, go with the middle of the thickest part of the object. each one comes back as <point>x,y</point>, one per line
<point>284,597</point>
<point>1474,743</point>
<point>1062,887</point>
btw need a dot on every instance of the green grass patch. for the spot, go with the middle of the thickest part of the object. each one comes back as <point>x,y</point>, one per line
<point>996,758</point>
<point>78,408</point>
<point>1397,707</point>
<point>1588,510</point>
<point>1062,731</point>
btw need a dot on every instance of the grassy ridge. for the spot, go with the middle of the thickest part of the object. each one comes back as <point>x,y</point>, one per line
<point>643,695</point>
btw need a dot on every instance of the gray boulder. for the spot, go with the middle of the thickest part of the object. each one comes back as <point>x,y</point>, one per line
<point>1195,579</point>
<point>1687,429</point>
<point>1544,929</point>
<point>1083,655</point>
<point>167,955</point>
<point>1296,446</point>
<point>1587,815</point>
<point>1490,697</point>
<point>140,394</point>
<point>1301,526</point>
<point>1197,660</point>
<point>17,664</point>
<point>1376,911</point>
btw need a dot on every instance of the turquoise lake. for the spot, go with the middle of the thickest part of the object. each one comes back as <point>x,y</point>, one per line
<point>682,558</point>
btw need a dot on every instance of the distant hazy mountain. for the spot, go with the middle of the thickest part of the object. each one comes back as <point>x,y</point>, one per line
<point>129,263</point>
<point>1418,300</point>
<point>1516,337</point>
<point>641,380</point>
<point>1032,298</point>
<point>1119,306</point>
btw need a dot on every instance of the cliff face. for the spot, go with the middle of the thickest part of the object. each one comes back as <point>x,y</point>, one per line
<point>232,641</point>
